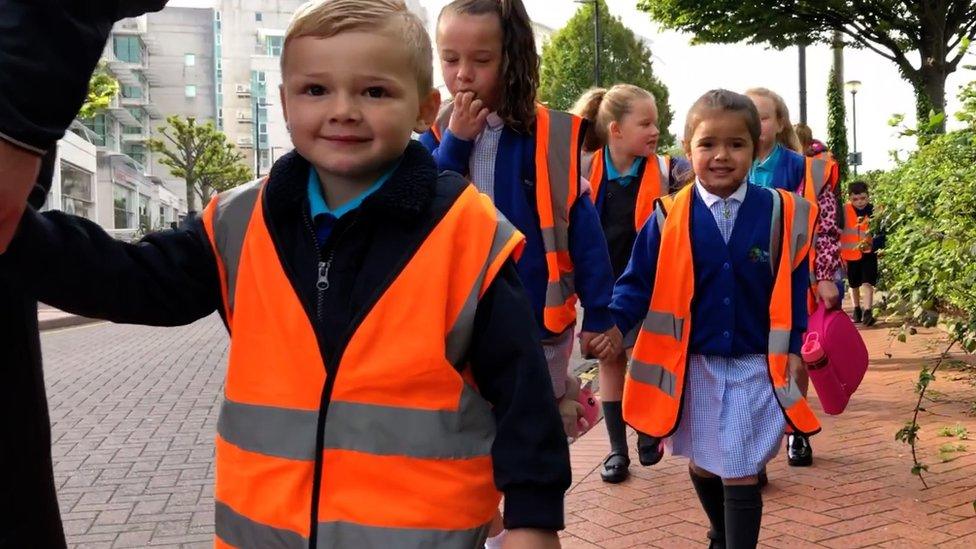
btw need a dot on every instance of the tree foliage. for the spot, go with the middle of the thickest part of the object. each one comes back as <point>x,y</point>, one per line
<point>836,123</point>
<point>201,155</point>
<point>937,33</point>
<point>567,63</point>
<point>102,88</point>
<point>929,210</point>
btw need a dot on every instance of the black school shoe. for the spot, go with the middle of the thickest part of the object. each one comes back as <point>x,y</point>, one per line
<point>869,319</point>
<point>858,315</point>
<point>615,468</point>
<point>649,449</point>
<point>715,540</point>
<point>798,451</point>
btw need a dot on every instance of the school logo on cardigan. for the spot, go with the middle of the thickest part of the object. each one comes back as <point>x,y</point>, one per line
<point>758,255</point>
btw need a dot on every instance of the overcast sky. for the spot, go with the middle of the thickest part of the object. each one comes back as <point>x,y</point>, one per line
<point>688,71</point>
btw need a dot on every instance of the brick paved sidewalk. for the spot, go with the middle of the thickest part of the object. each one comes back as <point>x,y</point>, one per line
<point>859,492</point>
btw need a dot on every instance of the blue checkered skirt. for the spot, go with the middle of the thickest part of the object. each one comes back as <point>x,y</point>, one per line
<point>731,424</point>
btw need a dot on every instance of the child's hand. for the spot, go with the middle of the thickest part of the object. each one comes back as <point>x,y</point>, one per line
<point>531,538</point>
<point>469,116</point>
<point>608,344</point>
<point>828,293</point>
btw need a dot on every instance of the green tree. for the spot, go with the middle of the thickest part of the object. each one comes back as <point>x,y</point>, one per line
<point>102,88</point>
<point>567,63</point>
<point>937,33</point>
<point>201,155</point>
<point>836,123</point>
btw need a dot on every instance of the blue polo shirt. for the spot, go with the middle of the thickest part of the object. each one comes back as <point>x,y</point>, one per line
<point>325,218</point>
<point>613,175</point>
<point>762,173</point>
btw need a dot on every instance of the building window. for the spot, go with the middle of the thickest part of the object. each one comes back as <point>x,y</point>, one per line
<point>128,49</point>
<point>145,221</point>
<point>258,16</point>
<point>131,92</point>
<point>124,202</point>
<point>275,44</point>
<point>190,60</point>
<point>76,191</point>
<point>97,125</point>
<point>190,91</point>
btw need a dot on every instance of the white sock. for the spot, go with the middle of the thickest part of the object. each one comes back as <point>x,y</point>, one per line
<point>496,541</point>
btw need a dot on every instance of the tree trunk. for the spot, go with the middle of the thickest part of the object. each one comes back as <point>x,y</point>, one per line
<point>930,95</point>
<point>837,45</point>
<point>190,201</point>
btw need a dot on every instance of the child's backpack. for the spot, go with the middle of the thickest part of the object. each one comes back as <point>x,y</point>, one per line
<point>836,357</point>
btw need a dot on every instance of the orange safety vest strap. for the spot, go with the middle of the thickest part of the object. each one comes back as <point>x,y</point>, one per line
<point>653,184</point>
<point>226,220</point>
<point>595,172</point>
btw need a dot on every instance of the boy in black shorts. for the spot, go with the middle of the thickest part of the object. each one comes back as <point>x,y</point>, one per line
<point>859,249</point>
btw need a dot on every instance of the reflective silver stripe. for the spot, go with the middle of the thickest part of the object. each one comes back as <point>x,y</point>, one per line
<point>558,292</point>
<point>381,430</point>
<point>394,431</point>
<point>818,171</point>
<point>459,337</point>
<point>775,228</point>
<point>234,209</point>
<point>444,117</point>
<point>779,342</point>
<point>664,324</point>
<point>560,136</point>
<point>665,175</point>
<point>800,234</point>
<point>789,395</point>
<point>660,217</point>
<point>854,246</point>
<point>851,232</point>
<point>654,375</point>
<point>268,430</point>
<point>239,531</point>
<point>553,243</point>
<point>343,535</point>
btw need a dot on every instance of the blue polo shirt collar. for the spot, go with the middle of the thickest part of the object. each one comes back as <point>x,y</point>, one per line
<point>316,198</point>
<point>612,173</point>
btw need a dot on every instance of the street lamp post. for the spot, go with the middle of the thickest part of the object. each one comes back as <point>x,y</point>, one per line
<point>597,38</point>
<point>854,86</point>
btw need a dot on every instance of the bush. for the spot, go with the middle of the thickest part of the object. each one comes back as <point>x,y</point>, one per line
<point>927,205</point>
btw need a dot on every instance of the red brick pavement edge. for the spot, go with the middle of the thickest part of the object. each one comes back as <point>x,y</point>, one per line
<point>859,493</point>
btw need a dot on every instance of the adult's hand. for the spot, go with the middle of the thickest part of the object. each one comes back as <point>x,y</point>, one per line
<point>18,172</point>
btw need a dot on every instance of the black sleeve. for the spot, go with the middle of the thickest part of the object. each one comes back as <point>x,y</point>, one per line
<point>48,50</point>
<point>530,454</point>
<point>168,278</point>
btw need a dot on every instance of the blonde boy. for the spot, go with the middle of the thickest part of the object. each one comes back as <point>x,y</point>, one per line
<point>385,376</point>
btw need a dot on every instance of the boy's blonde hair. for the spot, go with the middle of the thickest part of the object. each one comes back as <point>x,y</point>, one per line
<point>602,106</point>
<point>328,18</point>
<point>787,136</point>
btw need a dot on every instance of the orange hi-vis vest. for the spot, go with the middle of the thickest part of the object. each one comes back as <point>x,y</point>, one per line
<point>390,447</point>
<point>856,231</point>
<point>557,176</point>
<point>654,184</point>
<point>655,382</point>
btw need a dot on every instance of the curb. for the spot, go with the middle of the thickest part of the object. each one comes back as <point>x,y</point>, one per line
<point>65,321</point>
